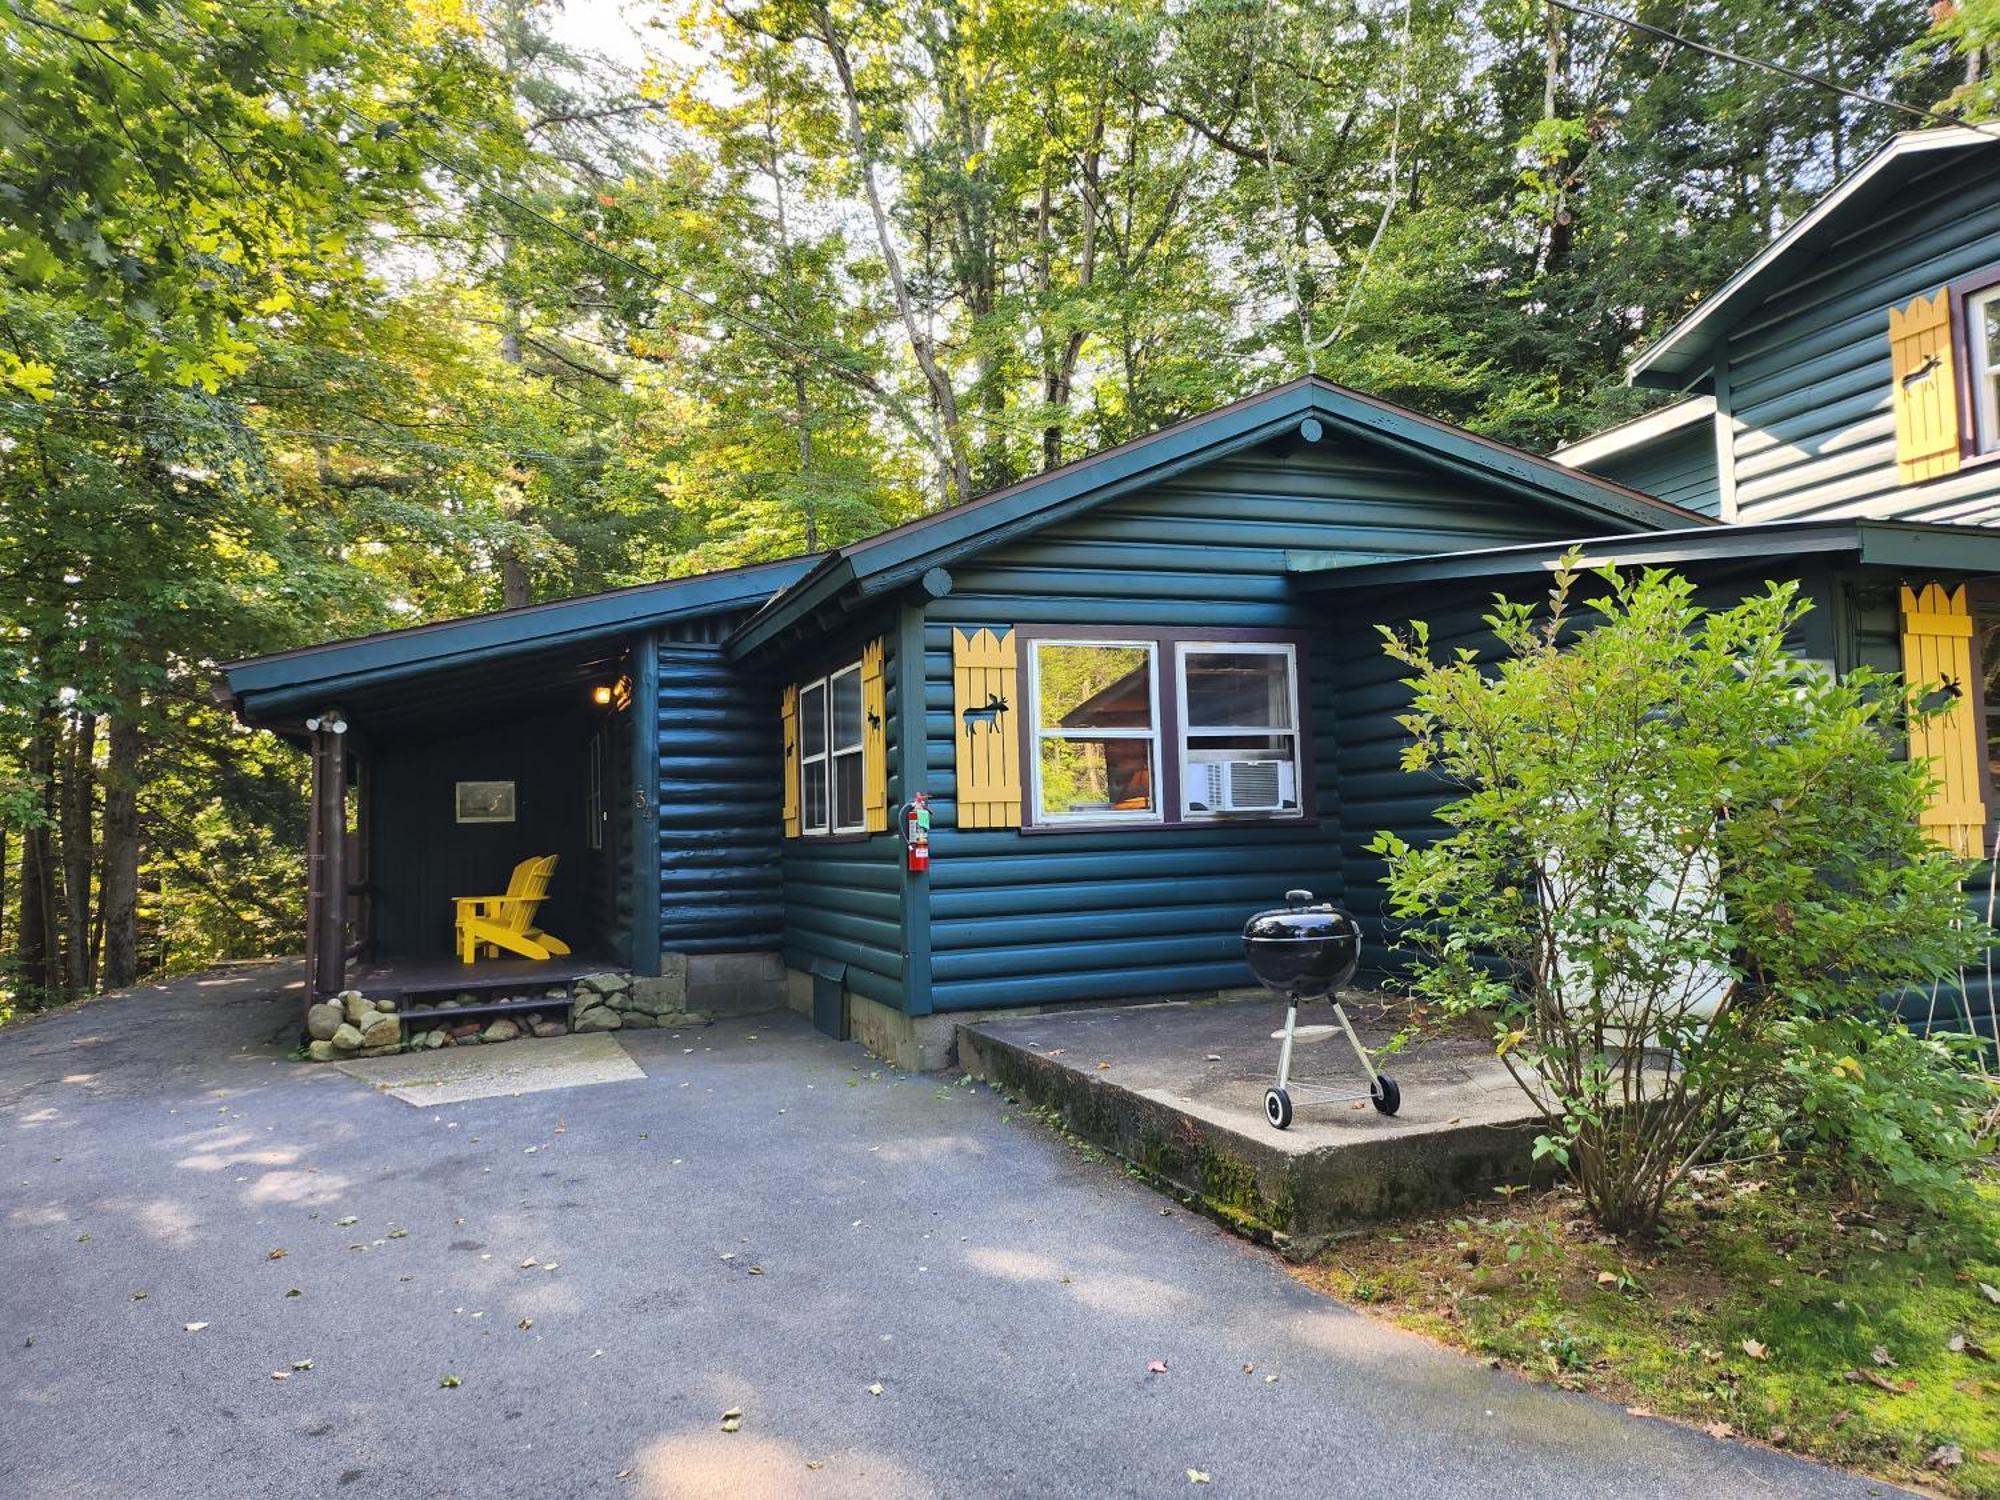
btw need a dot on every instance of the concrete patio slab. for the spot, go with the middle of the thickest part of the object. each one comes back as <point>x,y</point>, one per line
<point>1178,1090</point>
<point>453,1075</point>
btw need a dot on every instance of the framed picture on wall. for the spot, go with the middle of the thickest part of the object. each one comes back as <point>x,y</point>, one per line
<point>485,801</point>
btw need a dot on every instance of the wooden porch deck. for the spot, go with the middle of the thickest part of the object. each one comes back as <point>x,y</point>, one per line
<point>399,978</point>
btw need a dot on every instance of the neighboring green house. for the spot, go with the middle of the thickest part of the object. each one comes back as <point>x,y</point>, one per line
<point>1851,368</point>
<point>1143,694</point>
<point>1851,371</point>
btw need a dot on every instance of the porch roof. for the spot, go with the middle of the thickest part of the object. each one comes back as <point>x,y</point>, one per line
<point>1934,549</point>
<point>564,638</point>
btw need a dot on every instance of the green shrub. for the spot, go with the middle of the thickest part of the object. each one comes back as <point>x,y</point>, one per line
<point>1672,839</point>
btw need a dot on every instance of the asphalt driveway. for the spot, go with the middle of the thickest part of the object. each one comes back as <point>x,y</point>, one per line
<point>902,1287</point>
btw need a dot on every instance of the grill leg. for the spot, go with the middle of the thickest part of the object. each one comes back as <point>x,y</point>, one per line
<point>1285,1047</point>
<point>1353,1041</point>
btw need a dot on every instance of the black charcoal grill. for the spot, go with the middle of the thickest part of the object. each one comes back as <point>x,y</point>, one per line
<point>1307,950</point>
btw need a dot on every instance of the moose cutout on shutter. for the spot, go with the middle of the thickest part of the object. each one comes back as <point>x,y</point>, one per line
<point>1924,390</point>
<point>874,740</point>
<point>988,746</point>
<point>1937,651</point>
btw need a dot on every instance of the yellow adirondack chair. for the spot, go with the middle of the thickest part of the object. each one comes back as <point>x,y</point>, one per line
<point>487,924</point>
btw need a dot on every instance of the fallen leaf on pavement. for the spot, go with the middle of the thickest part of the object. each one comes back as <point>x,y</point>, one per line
<point>138,1296</point>
<point>525,1324</point>
<point>732,1419</point>
<point>1249,1369</point>
<point>343,1223</point>
<point>756,1271</point>
<point>815,1463</point>
<point>529,1264</point>
<point>1719,1430</point>
<point>449,1382</point>
<point>1104,1065</point>
<point>293,1292</point>
<point>1199,1476</point>
<point>194,1327</point>
<point>281,1375</point>
<point>302,1364</point>
<point>278,1254</point>
<point>875,1389</point>
<point>1156,1367</point>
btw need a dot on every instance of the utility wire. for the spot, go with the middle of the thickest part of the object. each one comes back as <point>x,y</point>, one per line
<point>1797,75</point>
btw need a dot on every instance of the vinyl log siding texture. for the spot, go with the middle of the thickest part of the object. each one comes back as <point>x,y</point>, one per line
<point>1679,467</point>
<point>1805,375</point>
<point>1031,918</point>
<point>721,882</point>
<point>843,895</point>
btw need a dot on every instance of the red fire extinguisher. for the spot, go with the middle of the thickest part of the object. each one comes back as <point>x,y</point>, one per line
<point>917,834</point>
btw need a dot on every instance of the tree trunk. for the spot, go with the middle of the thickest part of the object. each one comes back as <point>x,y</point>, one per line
<point>944,398</point>
<point>79,817</point>
<point>118,888</point>
<point>38,942</point>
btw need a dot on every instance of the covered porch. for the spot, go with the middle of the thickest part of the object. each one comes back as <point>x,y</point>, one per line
<point>427,789</point>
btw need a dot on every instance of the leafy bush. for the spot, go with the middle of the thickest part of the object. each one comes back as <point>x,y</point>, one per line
<point>1680,862</point>
<point>1882,1112</point>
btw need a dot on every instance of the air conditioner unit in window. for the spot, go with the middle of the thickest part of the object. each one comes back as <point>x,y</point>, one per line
<point>1242,785</point>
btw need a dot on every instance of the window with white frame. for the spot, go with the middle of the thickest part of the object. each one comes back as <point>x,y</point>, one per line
<point>830,754</point>
<point>1096,731</point>
<point>1239,738</point>
<point>1163,727</point>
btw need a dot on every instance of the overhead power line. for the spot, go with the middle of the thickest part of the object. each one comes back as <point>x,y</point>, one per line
<point>1797,75</point>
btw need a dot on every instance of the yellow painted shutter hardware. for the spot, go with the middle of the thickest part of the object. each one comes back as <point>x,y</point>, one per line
<point>874,740</point>
<point>1924,390</point>
<point>790,716</point>
<point>984,701</point>
<point>1937,649</point>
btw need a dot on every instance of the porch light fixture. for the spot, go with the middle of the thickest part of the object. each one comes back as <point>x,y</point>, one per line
<point>601,695</point>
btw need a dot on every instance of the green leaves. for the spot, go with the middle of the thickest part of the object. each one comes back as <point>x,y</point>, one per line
<point>1672,838</point>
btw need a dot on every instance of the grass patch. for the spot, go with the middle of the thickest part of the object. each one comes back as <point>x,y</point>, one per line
<point>1850,1333</point>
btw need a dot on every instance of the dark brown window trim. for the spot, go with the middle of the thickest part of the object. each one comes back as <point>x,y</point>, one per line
<point>1957,293</point>
<point>1170,729</point>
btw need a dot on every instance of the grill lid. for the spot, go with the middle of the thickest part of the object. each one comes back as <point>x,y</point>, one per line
<point>1303,948</point>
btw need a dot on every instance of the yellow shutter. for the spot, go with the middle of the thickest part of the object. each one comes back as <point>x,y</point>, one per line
<point>1937,648</point>
<point>790,716</point>
<point>1925,389</point>
<point>874,741</point>
<point>989,744</point>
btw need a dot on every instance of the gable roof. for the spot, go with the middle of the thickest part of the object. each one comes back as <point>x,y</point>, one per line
<point>1309,405</point>
<point>308,675</point>
<point>1686,352</point>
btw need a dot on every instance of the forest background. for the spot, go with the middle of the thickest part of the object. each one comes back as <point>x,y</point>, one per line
<point>316,320</point>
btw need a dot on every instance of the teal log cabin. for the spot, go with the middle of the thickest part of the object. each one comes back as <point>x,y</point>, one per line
<point>1142,695</point>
